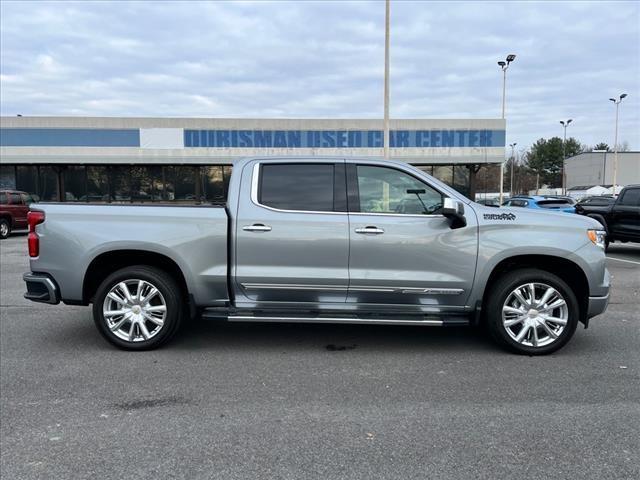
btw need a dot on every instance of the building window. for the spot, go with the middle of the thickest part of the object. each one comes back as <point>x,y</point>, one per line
<point>48,184</point>
<point>181,183</point>
<point>27,179</point>
<point>8,177</point>
<point>97,184</point>
<point>461,179</point>
<point>426,168</point>
<point>146,183</point>
<point>120,183</point>
<point>74,180</point>
<point>444,173</point>
<point>213,188</point>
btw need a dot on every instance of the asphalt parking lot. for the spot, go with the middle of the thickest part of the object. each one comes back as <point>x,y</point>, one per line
<point>315,401</point>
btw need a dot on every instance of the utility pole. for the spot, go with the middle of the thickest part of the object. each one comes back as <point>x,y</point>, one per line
<point>615,144</point>
<point>564,153</point>
<point>504,65</point>
<point>386,80</point>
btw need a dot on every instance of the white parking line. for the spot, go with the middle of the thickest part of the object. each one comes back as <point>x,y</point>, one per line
<point>623,260</point>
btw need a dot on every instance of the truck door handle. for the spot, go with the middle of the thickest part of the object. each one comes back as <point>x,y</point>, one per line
<point>370,229</point>
<point>257,227</point>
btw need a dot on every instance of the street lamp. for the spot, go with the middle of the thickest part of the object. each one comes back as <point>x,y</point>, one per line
<point>504,65</point>
<point>513,146</point>
<point>615,144</point>
<point>564,153</point>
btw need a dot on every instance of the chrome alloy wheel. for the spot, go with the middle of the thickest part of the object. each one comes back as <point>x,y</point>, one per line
<point>134,310</point>
<point>535,314</point>
<point>4,229</point>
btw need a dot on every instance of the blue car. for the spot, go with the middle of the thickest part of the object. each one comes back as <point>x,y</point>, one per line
<point>554,204</point>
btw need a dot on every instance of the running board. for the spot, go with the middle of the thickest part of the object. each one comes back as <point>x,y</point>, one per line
<point>430,321</point>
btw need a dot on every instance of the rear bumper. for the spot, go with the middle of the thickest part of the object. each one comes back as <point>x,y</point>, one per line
<point>41,288</point>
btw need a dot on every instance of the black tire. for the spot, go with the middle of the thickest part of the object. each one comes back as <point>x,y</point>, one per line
<point>502,288</point>
<point>5,228</point>
<point>170,293</point>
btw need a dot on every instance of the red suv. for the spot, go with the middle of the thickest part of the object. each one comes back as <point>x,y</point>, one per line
<point>14,206</point>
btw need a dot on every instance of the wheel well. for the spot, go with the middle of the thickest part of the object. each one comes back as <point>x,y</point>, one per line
<point>568,271</point>
<point>109,262</point>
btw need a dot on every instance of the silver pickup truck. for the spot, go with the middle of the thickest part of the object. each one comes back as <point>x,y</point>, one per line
<point>323,240</point>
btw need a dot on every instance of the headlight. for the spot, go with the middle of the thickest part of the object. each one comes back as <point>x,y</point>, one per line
<point>597,237</point>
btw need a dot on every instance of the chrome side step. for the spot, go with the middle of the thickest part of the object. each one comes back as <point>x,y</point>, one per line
<point>380,321</point>
<point>429,321</point>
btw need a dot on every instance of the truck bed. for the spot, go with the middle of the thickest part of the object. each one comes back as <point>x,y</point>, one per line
<point>74,236</point>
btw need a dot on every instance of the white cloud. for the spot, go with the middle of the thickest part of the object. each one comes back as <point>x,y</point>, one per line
<point>325,59</point>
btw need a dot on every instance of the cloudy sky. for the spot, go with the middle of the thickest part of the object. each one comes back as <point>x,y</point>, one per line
<point>325,59</point>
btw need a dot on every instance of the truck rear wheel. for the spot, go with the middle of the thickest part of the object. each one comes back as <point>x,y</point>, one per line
<point>531,312</point>
<point>138,308</point>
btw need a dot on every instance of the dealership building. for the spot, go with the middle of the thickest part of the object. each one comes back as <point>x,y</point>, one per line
<point>189,160</point>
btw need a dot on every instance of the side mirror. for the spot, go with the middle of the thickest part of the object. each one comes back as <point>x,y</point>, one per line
<point>454,211</point>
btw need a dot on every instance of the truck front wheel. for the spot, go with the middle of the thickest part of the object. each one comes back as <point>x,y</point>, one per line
<point>531,312</point>
<point>138,308</point>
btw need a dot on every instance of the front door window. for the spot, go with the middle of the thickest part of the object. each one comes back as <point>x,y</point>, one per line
<point>386,190</point>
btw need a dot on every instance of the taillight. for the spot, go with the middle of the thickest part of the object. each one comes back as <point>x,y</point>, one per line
<point>34,218</point>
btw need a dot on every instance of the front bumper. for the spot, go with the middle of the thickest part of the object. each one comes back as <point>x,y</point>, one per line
<point>598,302</point>
<point>41,288</point>
<point>597,305</point>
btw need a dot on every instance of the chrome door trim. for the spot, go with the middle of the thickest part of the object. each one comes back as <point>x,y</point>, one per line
<point>435,291</point>
<point>291,286</point>
<point>408,290</point>
<point>402,215</point>
<point>255,182</point>
<point>355,288</point>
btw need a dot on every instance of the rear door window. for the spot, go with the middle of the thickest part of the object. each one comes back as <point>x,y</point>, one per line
<point>631,197</point>
<point>304,186</point>
<point>15,198</point>
<point>3,198</point>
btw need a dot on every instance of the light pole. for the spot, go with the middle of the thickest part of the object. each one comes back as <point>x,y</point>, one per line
<point>513,146</point>
<point>564,153</point>
<point>504,65</point>
<point>615,144</point>
<point>386,80</point>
